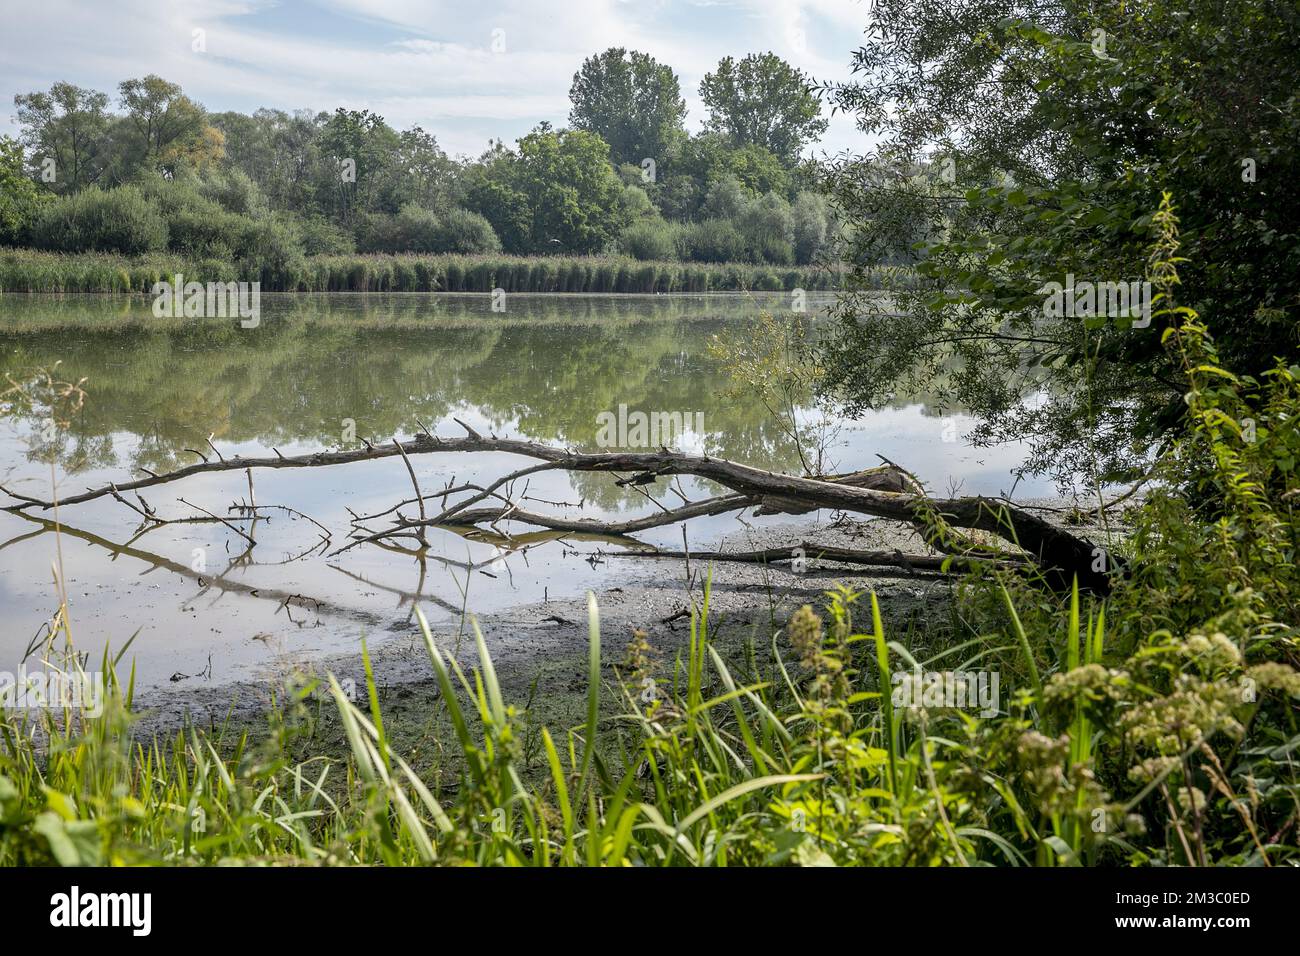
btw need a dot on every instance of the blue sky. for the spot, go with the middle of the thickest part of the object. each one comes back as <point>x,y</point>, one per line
<point>429,63</point>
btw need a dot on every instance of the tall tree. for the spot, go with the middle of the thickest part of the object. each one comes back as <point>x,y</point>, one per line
<point>631,101</point>
<point>763,101</point>
<point>703,161</point>
<point>362,150</point>
<point>165,125</point>
<point>280,152</point>
<point>1033,146</point>
<point>422,171</point>
<point>68,125</point>
<point>556,194</point>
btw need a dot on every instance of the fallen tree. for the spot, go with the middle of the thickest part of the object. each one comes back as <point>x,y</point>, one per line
<point>885,492</point>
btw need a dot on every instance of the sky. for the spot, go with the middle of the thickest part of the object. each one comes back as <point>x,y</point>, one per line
<point>465,71</point>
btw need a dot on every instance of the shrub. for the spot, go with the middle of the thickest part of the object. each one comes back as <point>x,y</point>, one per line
<point>272,252</point>
<point>810,217</point>
<point>467,233</point>
<point>322,237</point>
<point>713,240</point>
<point>767,228</point>
<point>234,191</point>
<point>419,230</point>
<point>650,239</point>
<point>209,230</point>
<point>726,199</point>
<point>412,230</point>
<point>115,220</point>
<point>635,204</point>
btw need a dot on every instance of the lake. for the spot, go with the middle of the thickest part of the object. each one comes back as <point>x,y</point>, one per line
<point>326,372</point>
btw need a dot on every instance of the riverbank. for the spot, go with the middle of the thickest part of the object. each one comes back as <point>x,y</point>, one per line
<point>539,648</point>
<point>28,270</point>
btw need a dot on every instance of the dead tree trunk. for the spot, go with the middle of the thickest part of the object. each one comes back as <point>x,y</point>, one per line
<point>886,493</point>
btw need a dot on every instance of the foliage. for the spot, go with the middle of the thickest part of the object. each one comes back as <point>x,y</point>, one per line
<point>1034,145</point>
<point>69,126</point>
<point>115,220</point>
<point>762,101</point>
<point>767,227</point>
<point>424,231</point>
<point>558,193</point>
<point>649,239</point>
<point>694,170</point>
<point>20,199</point>
<point>712,240</point>
<point>632,102</point>
<point>164,130</point>
<point>810,227</point>
<point>348,179</point>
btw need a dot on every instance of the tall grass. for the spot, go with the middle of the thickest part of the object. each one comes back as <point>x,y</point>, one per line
<point>802,760</point>
<point>24,270</point>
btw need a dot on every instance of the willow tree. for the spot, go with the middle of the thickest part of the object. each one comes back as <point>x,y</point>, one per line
<point>1026,142</point>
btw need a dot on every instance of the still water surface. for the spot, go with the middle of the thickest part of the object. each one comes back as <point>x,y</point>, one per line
<point>545,371</point>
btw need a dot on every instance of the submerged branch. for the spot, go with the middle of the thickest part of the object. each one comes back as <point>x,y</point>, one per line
<point>886,492</point>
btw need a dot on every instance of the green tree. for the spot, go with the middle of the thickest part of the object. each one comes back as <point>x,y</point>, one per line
<point>361,153</point>
<point>1036,147</point>
<point>632,102</point>
<point>68,125</point>
<point>763,101</point>
<point>20,198</point>
<point>701,162</point>
<point>557,194</point>
<point>422,172</point>
<point>281,153</point>
<point>165,127</point>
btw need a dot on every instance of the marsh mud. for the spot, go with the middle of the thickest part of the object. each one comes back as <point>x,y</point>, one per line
<point>539,648</point>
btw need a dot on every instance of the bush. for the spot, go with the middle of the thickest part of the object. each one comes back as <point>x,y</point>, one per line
<point>116,220</point>
<point>412,230</point>
<point>649,239</point>
<point>235,192</point>
<point>322,237</point>
<point>726,199</point>
<point>467,233</point>
<point>419,230</point>
<point>810,217</point>
<point>713,240</point>
<point>272,252</point>
<point>767,228</point>
<point>635,204</point>
<point>208,230</point>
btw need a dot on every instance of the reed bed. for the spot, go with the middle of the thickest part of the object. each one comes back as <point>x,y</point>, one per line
<point>23,270</point>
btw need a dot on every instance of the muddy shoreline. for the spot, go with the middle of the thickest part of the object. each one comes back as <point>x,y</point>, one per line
<point>539,649</point>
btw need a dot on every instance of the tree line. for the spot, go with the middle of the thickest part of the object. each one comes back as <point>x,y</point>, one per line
<point>162,173</point>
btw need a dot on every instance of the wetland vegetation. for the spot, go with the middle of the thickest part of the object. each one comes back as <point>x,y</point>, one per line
<point>1112,676</point>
